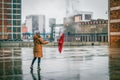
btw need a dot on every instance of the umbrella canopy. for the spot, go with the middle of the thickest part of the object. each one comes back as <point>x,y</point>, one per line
<point>60,43</point>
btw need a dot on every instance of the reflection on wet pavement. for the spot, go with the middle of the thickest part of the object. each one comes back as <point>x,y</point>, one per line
<point>34,77</point>
<point>114,63</point>
<point>74,63</point>
<point>10,64</point>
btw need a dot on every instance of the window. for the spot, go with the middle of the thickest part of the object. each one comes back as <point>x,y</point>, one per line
<point>16,6</point>
<point>14,11</point>
<point>7,0</point>
<point>16,1</point>
<point>7,22</point>
<point>19,16</point>
<point>16,16</point>
<point>19,36</point>
<point>87,16</point>
<point>0,10</point>
<point>0,5</point>
<point>14,29</point>
<point>14,36</point>
<point>7,6</point>
<point>9,28</point>
<point>0,22</point>
<point>7,16</point>
<point>7,11</point>
<point>16,23</point>
<point>19,23</point>
<point>0,29</point>
<point>19,6</point>
<point>17,11</point>
<point>78,18</point>
<point>18,29</point>
<point>9,36</point>
<point>19,1</point>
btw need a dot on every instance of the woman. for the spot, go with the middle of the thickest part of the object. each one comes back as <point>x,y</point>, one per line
<point>37,49</point>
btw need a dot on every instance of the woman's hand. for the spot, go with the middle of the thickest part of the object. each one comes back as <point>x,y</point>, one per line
<point>46,42</point>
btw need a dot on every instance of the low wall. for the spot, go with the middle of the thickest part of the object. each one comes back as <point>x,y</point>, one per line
<point>30,44</point>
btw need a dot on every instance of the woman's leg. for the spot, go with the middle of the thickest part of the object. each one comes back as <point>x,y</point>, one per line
<point>33,62</point>
<point>39,60</point>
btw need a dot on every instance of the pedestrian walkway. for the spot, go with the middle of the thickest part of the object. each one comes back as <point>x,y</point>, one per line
<point>74,63</point>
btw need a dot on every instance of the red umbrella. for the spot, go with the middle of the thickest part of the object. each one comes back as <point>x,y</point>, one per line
<point>60,43</point>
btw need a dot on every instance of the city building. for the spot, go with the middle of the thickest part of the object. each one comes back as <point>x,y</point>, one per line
<point>36,22</point>
<point>56,29</point>
<point>52,24</point>
<point>114,39</point>
<point>83,16</point>
<point>114,23</point>
<point>24,32</point>
<point>10,19</point>
<point>9,56</point>
<point>90,31</point>
<point>24,28</point>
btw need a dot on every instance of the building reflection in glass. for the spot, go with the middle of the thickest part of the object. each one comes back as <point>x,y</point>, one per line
<point>10,64</point>
<point>114,63</point>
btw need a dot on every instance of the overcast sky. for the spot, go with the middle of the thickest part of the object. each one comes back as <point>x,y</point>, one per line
<point>56,8</point>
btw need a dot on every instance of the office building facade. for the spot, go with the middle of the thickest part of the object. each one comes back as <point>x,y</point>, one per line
<point>114,23</point>
<point>10,19</point>
<point>114,39</point>
<point>90,31</point>
<point>35,22</point>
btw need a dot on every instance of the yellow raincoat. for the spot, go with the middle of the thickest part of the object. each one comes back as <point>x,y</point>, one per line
<point>37,50</point>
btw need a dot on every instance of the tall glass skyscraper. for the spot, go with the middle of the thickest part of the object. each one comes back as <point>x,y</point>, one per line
<point>35,22</point>
<point>10,19</point>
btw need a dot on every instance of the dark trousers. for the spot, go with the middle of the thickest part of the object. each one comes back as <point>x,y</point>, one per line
<point>39,60</point>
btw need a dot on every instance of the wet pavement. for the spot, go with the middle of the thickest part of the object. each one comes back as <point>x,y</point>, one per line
<point>74,63</point>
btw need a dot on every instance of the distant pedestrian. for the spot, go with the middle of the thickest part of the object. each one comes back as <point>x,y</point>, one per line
<point>37,49</point>
<point>48,37</point>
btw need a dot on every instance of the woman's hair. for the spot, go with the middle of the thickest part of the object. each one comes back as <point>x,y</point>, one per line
<point>39,36</point>
<point>37,32</point>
